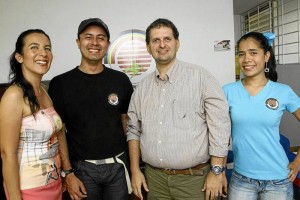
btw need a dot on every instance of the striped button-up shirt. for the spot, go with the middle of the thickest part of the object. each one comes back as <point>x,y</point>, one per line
<point>181,121</point>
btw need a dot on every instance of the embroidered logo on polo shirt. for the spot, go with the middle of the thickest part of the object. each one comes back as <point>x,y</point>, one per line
<point>113,99</point>
<point>272,103</point>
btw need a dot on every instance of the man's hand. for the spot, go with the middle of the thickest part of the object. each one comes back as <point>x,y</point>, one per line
<point>224,185</point>
<point>215,186</point>
<point>75,187</point>
<point>137,181</point>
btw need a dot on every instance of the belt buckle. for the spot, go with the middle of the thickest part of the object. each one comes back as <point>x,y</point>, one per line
<point>100,162</point>
<point>170,171</point>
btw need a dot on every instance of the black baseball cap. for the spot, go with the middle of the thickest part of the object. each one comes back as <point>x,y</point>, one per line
<point>93,21</point>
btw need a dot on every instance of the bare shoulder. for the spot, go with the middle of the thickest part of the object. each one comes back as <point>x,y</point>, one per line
<point>12,98</point>
<point>13,93</point>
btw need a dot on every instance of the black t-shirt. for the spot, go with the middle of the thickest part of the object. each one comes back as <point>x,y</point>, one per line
<point>91,106</point>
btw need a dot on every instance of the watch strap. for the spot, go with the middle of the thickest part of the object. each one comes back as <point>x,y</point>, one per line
<point>67,172</point>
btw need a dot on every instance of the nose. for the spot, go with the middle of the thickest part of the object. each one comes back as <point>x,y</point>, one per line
<point>43,52</point>
<point>162,43</point>
<point>247,57</point>
<point>94,41</point>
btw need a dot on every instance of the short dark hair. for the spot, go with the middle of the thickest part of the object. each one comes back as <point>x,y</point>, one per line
<point>161,22</point>
<point>264,44</point>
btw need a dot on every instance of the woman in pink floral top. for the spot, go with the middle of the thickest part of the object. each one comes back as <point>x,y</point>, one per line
<point>29,125</point>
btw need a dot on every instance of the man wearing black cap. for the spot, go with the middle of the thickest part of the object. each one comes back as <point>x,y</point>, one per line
<point>92,101</point>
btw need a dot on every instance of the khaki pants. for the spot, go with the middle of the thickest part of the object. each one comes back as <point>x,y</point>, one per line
<point>174,187</point>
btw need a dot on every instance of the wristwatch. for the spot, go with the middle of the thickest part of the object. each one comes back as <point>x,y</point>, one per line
<point>65,173</point>
<point>217,169</point>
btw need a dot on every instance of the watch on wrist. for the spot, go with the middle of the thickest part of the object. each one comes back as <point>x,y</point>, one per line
<point>65,173</point>
<point>217,169</point>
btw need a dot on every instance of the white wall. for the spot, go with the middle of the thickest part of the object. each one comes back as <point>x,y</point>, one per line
<point>200,23</point>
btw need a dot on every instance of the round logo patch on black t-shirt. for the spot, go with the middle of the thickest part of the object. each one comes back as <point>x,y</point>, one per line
<point>113,99</point>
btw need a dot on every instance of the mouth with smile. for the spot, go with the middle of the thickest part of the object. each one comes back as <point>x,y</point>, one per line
<point>41,62</point>
<point>163,52</point>
<point>248,67</point>
<point>94,50</point>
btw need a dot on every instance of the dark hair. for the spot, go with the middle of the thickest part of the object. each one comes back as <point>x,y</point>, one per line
<point>157,24</point>
<point>16,76</point>
<point>264,44</point>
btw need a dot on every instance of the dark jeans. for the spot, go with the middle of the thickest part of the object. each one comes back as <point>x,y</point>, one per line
<point>102,182</point>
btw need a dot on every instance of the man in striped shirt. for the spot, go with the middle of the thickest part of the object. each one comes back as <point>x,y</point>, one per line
<point>179,123</point>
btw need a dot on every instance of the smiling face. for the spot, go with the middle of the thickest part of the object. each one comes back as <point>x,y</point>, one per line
<point>252,58</point>
<point>36,56</point>
<point>93,44</point>
<point>162,45</point>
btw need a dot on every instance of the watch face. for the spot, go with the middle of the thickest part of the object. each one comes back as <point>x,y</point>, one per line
<point>216,169</point>
<point>63,174</point>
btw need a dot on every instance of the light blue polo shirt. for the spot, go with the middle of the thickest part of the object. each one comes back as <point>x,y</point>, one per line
<point>258,153</point>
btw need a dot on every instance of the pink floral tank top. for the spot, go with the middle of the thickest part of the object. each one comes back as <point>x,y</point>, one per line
<point>38,149</point>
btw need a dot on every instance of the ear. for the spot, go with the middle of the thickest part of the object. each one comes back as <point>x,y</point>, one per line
<point>267,56</point>
<point>177,45</point>
<point>19,57</point>
<point>148,49</point>
<point>78,43</point>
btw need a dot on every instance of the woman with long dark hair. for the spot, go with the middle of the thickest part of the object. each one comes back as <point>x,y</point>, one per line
<point>29,125</point>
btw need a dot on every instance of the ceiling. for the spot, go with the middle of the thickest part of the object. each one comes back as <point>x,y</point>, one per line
<point>241,6</point>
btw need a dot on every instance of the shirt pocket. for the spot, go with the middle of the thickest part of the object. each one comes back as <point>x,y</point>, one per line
<point>184,114</point>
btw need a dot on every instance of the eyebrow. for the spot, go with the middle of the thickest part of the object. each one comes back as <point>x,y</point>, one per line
<point>248,50</point>
<point>252,50</point>
<point>33,44</point>
<point>90,34</point>
<point>47,45</point>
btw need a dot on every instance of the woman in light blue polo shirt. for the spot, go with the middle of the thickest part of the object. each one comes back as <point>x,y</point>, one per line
<point>257,103</point>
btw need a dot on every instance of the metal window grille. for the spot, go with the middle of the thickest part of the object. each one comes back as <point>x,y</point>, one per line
<point>282,18</point>
<point>258,19</point>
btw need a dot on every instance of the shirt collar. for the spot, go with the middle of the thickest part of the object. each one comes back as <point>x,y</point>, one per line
<point>170,74</point>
